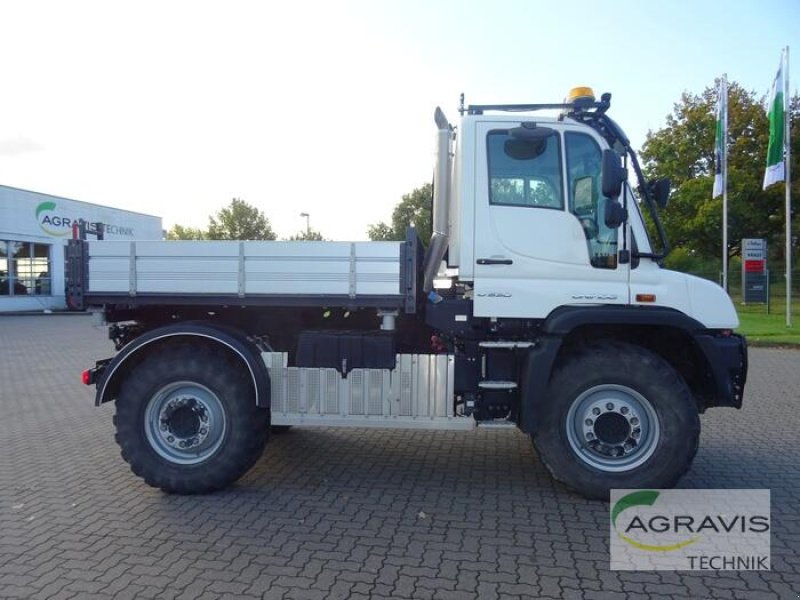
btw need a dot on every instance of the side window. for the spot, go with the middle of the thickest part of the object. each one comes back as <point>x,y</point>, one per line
<point>524,172</point>
<point>586,201</point>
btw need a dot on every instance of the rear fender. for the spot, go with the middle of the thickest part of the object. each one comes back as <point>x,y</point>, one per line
<point>232,341</point>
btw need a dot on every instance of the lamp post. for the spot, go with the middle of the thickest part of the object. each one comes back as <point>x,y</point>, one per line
<point>308,222</point>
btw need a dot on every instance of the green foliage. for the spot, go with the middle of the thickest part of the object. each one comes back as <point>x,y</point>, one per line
<point>309,235</point>
<point>414,208</point>
<point>688,261</point>
<point>179,232</point>
<point>684,151</point>
<point>240,221</point>
<point>381,232</point>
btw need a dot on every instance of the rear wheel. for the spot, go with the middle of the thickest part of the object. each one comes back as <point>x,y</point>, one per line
<point>616,416</point>
<point>187,421</point>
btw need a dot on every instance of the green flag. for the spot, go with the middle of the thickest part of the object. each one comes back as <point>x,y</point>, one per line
<point>775,163</point>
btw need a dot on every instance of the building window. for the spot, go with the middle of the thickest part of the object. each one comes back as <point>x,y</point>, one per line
<point>25,269</point>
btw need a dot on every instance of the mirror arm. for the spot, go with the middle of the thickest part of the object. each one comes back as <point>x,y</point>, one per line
<point>650,205</point>
<point>624,254</point>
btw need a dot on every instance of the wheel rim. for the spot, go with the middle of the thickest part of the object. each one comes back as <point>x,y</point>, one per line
<point>185,423</point>
<point>612,428</point>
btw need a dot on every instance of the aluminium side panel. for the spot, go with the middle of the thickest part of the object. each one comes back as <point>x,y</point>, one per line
<point>417,393</point>
<point>322,268</point>
<point>186,267</point>
<point>377,268</point>
<point>252,268</point>
<point>163,267</point>
<point>297,268</point>
<point>109,267</point>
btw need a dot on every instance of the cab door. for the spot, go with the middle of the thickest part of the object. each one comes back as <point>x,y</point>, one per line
<point>540,236</point>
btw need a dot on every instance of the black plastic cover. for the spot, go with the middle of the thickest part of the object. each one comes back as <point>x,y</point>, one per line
<point>727,357</point>
<point>346,350</point>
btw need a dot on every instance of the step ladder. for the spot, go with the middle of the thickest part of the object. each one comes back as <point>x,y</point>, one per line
<point>498,400</point>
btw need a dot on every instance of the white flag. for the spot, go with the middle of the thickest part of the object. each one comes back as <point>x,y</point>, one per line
<point>720,146</point>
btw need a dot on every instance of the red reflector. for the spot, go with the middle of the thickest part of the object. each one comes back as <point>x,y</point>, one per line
<point>645,297</point>
<point>86,377</point>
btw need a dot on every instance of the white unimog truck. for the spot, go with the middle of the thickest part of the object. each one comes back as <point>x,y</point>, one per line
<point>538,304</point>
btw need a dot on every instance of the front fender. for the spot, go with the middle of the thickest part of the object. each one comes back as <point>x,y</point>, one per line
<point>567,318</point>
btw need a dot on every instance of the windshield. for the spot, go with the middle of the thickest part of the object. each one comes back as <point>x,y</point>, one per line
<point>639,224</point>
<point>617,140</point>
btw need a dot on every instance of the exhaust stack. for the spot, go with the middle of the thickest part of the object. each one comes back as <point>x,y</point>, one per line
<point>441,200</point>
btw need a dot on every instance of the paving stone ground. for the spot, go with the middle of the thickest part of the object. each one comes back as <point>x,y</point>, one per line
<point>331,513</point>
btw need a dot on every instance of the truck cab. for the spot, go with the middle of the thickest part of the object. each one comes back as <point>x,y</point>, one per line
<point>528,223</point>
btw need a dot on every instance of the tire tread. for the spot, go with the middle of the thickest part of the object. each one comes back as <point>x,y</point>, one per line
<point>625,358</point>
<point>247,436</point>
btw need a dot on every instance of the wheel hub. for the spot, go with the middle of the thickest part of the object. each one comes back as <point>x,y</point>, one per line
<point>185,423</point>
<point>612,428</point>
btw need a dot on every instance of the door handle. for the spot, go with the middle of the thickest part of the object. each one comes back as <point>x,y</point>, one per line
<point>495,261</point>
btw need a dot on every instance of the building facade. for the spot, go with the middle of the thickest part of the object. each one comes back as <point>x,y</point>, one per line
<point>34,229</point>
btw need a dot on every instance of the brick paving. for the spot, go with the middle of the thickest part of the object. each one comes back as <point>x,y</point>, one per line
<point>331,513</point>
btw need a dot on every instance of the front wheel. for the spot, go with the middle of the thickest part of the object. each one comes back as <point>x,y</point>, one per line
<point>616,416</point>
<point>187,421</point>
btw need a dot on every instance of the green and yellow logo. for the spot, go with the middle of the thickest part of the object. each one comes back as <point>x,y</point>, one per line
<point>657,524</point>
<point>52,223</point>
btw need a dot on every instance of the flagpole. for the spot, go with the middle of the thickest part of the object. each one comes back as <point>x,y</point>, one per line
<point>724,91</point>
<point>788,184</point>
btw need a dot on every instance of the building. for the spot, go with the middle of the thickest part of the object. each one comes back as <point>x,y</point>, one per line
<point>34,229</point>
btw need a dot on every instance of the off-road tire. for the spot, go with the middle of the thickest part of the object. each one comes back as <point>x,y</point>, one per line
<point>246,427</point>
<point>607,365</point>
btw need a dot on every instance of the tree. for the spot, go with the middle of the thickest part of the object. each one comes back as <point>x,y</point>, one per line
<point>308,235</point>
<point>684,151</point>
<point>240,221</point>
<point>381,232</point>
<point>179,232</point>
<point>414,208</point>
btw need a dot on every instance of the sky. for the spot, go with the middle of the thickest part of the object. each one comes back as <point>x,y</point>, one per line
<point>173,108</point>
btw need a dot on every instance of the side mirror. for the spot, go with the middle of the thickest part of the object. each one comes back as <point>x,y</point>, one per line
<point>659,191</point>
<point>615,214</point>
<point>614,175</point>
